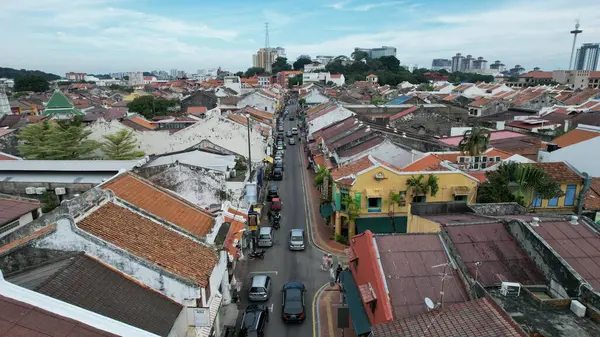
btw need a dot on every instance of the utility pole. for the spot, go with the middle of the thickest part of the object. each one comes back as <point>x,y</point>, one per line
<point>249,149</point>
<point>443,276</point>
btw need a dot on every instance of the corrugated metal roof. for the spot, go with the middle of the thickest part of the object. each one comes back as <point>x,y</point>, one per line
<point>67,165</point>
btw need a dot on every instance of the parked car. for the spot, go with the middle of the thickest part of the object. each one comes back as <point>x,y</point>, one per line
<point>279,165</point>
<point>280,147</point>
<point>260,288</point>
<point>294,131</point>
<point>276,204</point>
<point>265,237</point>
<point>291,117</point>
<point>293,309</point>
<point>278,174</point>
<point>289,133</point>
<point>273,192</point>
<point>292,141</point>
<point>296,239</point>
<point>254,321</point>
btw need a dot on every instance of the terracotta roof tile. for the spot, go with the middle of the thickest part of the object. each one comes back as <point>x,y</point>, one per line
<point>233,234</point>
<point>196,109</point>
<point>151,241</point>
<point>142,122</point>
<point>162,203</point>
<point>27,239</point>
<point>482,318</point>
<point>592,197</point>
<point>430,162</point>
<point>404,113</point>
<point>574,137</point>
<point>560,172</point>
<point>6,156</point>
<point>352,168</point>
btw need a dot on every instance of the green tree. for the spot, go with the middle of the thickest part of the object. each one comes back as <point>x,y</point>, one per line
<point>49,202</point>
<point>254,71</point>
<point>56,141</point>
<point>323,182</point>
<point>296,80</point>
<point>358,55</point>
<point>149,106</point>
<point>425,87</point>
<point>280,64</point>
<point>418,186</point>
<point>475,141</point>
<point>458,77</point>
<point>35,83</point>
<point>301,61</point>
<point>121,145</point>
<point>516,182</point>
<point>239,73</point>
<point>14,73</point>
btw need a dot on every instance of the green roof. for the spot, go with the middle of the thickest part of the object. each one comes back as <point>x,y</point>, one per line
<point>59,100</point>
<point>382,225</point>
<point>360,321</point>
<point>59,111</point>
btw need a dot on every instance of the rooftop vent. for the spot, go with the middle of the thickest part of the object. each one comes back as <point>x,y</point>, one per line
<point>574,220</point>
<point>535,222</point>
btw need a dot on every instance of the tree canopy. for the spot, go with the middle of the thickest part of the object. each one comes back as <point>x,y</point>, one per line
<point>31,82</point>
<point>387,68</point>
<point>149,106</point>
<point>254,71</point>
<point>458,77</point>
<point>280,64</point>
<point>121,145</point>
<point>301,61</point>
<point>15,73</point>
<point>56,141</point>
<point>475,141</point>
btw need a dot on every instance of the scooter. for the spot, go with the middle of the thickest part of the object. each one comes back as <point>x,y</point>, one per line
<point>259,254</point>
<point>276,221</point>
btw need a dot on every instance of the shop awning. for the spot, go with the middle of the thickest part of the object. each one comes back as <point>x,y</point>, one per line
<point>374,192</point>
<point>327,209</point>
<point>212,314</point>
<point>460,190</point>
<point>360,321</point>
<point>382,225</point>
<point>268,159</point>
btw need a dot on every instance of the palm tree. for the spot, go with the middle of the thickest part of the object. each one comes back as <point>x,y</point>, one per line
<point>323,181</point>
<point>419,186</point>
<point>475,141</point>
<point>396,199</point>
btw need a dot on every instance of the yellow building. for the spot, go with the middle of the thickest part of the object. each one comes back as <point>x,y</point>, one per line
<point>134,95</point>
<point>380,195</point>
<point>571,183</point>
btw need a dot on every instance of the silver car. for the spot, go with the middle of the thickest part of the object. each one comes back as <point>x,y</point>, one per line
<point>260,290</point>
<point>297,239</point>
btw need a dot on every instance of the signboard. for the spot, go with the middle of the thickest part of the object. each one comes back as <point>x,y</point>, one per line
<point>251,193</point>
<point>252,222</point>
<point>201,317</point>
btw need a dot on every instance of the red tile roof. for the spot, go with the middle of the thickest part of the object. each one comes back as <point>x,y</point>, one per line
<point>581,97</point>
<point>429,162</point>
<point>577,244</point>
<point>538,75</point>
<point>481,318</point>
<point>502,260</point>
<point>162,203</point>
<point>404,113</point>
<point>27,239</point>
<point>238,222</point>
<point>592,197</point>
<point>6,156</point>
<point>142,122</point>
<point>21,319</point>
<point>151,241</point>
<point>13,208</point>
<point>560,172</point>
<point>574,137</point>
<point>336,75</point>
<point>407,262</point>
<point>196,109</point>
<point>352,168</point>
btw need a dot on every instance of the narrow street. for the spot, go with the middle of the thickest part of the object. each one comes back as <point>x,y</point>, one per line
<point>282,264</point>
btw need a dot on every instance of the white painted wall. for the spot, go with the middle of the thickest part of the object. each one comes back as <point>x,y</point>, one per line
<point>27,218</point>
<point>329,118</point>
<point>337,81</point>
<point>579,155</point>
<point>69,239</point>
<point>216,129</point>
<point>181,326</point>
<point>315,97</point>
<point>259,101</point>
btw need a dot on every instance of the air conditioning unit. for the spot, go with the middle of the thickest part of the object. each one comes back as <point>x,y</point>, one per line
<point>60,191</point>
<point>30,190</point>
<point>468,159</point>
<point>40,190</point>
<point>510,289</point>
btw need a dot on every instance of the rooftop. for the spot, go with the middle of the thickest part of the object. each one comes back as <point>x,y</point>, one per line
<point>560,172</point>
<point>482,318</point>
<point>410,264</point>
<point>575,136</point>
<point>501,258</point>
<point>495,135</point>
<point>89,284</point>
<point>162,203</point>
<point>151,241</point>
<point>12,208</point>
<point>68,165</point>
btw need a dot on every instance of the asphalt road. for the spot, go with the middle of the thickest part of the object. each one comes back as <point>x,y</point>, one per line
<point>282,264</point>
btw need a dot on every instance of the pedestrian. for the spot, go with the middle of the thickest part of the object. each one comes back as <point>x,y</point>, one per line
<point>324,262</point>
<point>338,271</point>
<point>329,261</point>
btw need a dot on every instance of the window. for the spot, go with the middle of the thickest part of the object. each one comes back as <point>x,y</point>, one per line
<point>374,204</point>
<point>537,202</point>
<point>570,195</point>
<point>344,196</point>
<point>553,202</point>
<point>460,198</point>
<point>420,198</point>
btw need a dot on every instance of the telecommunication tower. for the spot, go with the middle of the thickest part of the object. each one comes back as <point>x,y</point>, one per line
<point>575,32</point>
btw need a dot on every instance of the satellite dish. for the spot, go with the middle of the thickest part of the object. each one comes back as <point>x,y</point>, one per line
<point>429,303</point>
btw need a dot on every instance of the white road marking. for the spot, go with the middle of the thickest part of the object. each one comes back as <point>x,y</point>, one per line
<point>265,272</point>
<point>271,307</point>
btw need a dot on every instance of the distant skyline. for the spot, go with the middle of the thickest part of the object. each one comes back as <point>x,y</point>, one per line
<point>103,36</point>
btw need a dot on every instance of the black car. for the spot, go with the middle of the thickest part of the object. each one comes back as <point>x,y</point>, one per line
<point>292,307</point>
<point>277,174</point>
<point>254,321</point>
<point>291,118</point>
<point>273,192</point>
<point>279,165</point>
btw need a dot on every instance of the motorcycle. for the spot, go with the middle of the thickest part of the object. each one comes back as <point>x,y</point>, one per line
<point>276,221</point>
<point>259,254</point>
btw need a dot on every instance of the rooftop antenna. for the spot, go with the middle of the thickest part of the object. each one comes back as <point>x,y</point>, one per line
<point>574,32</point>
<point>267,35</point>
<point>429,303</point>
<point>444,275</point>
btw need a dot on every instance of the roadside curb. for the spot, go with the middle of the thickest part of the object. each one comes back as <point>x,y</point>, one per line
<point>316,314</point>
<point>308,210</point>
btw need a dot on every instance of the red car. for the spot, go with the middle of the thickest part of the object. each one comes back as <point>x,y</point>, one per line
<point>276,204</point>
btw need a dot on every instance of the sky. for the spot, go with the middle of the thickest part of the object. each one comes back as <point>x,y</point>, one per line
<point>102,36</point>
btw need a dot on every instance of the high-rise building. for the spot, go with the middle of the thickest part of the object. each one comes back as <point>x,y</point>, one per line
<point>498,66</point>
<point>376,53</point>
<point>264,58</point>
<point>71,76</point>
<point>323,59</point>
<point>480,63</point>
<point>439,64</point>
<point>457,61</point>
<point>135,78</point>
<point>587,57</point>
<point>174,73</point>
<point>467,63</point>
<point>4,104</point>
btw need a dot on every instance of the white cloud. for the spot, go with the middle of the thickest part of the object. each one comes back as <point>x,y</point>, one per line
<point>338,5</point>
<point>368,7</point>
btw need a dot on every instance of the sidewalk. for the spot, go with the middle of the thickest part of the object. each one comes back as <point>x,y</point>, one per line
<point>328,303</point>
<point>323,234</point>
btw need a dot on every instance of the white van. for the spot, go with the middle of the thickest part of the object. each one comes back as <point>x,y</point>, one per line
<point>265,237</point>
